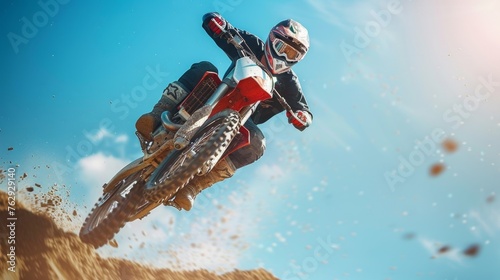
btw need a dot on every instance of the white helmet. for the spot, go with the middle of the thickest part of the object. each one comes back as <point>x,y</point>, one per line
<point>287,44</point>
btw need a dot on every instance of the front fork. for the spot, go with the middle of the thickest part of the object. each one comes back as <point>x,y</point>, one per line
<point>247,111</point>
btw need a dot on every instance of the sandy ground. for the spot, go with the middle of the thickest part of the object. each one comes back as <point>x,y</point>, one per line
<point>44,251</point>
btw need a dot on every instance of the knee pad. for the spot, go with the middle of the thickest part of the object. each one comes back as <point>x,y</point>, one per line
<point>193,75</point>
<point>258,143</point>
<point>205,66</point>
<point>252,152</point>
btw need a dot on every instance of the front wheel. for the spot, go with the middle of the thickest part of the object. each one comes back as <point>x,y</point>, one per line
<point>205,149</point>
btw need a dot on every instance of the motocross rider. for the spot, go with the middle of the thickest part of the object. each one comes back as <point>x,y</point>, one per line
<point>286,44</point>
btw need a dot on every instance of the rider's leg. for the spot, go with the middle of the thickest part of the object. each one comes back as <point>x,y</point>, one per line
<point>252,152</point>
<point>224,169</point>
<point>172,95</point>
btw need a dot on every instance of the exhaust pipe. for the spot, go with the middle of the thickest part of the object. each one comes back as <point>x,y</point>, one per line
<point>167,122</point>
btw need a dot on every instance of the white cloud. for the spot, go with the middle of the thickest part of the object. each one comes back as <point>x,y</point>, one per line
<point>104,133</point>
<point>99,135</point>
<point>97,169</point>
<point>122,138</point>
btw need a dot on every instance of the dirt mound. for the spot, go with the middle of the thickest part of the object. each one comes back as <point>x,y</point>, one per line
<point>44,251</point>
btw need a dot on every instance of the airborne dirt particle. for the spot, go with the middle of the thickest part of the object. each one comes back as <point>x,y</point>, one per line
<point>409,236</point>
<point>436,169</point>
<point>10,148</point>
<point>472,250</point>
<point>444,249</point>
<point>449,145</point>
<point>53,203</point>
<point>113,243</point>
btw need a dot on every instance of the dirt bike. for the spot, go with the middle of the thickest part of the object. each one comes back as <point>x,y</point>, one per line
<point>203,129</point>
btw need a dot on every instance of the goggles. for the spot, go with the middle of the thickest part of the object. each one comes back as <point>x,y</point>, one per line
<point>283,49</point>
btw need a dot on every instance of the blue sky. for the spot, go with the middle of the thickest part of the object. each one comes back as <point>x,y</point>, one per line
<point>381,76</point>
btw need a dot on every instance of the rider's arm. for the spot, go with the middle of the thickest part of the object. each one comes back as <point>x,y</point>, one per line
<point>253,41</point>
<point>289,88</point>
<point>292,92</point>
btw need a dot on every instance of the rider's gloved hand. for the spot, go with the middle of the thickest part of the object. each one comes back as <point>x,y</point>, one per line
<point>217,24</point>
<point>304,116</point>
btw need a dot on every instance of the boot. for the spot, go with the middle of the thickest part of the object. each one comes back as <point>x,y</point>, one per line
<point>222,170</point>
<point>149,122</point>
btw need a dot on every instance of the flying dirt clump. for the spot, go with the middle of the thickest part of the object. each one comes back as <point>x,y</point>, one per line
<point>450,146</point>
<point>437,169</point>
<point>44,251</point>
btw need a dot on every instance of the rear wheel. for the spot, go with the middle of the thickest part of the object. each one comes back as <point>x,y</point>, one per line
<point>113,210</point>
<point>205,149</point>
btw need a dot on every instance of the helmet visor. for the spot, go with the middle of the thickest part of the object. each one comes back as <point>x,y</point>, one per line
<point>285,50</point>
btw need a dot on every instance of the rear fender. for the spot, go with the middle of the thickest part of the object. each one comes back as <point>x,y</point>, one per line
<point>131,168</point>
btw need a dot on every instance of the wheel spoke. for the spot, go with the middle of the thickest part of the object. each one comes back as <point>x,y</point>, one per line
<point>188,154</point>
<point>126,191</point>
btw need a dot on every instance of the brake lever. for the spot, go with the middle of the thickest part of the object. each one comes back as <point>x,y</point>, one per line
<point>234,40</point>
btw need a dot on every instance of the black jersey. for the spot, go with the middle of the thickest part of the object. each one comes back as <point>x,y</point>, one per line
<point>287,83</point>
